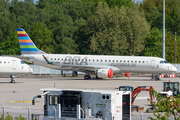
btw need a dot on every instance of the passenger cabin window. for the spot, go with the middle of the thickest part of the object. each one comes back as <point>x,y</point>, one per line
<point>124,61</point>
<point>146,61</point>
<point>58,59</point>
<point>135,61</point>
<point>54,58</point>
<point>116,60</point>
<point>8,62</point>
<point>109,60</point>
<point>93,60</point>
<point>113,60</point>
<point>53,100</point>
<point>128,61</point>
<point>4,62</point>
<point>97,60</point>
<point>101,60</point>
<point>105,60</point>
<point>120,60</point>
<point>89,60</point>
<point>51,59</point>
<point>143,61</point>
<point>62,59</point>
<point>0,62</point>
<point>131,61</point>
<point>139,61</point>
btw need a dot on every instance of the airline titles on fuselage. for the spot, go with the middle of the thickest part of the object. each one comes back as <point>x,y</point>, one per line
<point>76,60</point>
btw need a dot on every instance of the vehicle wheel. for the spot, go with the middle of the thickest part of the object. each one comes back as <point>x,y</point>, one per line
<point>86,77</point>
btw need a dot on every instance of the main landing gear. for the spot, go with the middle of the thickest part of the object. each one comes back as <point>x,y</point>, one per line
<point>12,79</point>
<point>87,77</point>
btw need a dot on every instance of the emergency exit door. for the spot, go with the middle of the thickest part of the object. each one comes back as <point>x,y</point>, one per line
<point>152,63</point>
<point>14,64</point>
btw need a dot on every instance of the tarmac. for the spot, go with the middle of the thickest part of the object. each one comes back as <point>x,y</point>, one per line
<point>17,97</point>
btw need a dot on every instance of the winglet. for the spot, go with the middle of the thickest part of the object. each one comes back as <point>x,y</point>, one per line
<point>47,60</point>
<point>26,44</point>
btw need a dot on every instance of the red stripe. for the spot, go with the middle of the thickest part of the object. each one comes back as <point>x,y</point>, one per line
<point>21,35</point>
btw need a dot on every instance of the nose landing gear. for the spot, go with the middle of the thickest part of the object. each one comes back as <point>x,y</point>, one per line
<point>155,77</point>
<point>12,78</point>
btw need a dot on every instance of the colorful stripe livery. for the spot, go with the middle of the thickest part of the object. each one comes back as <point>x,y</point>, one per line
<point>26,44</point>
<point>47,60</point>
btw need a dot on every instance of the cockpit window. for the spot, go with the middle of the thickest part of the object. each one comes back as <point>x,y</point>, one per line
<point>166,62</point>
<point>22,62</point>
<point>161,61</point>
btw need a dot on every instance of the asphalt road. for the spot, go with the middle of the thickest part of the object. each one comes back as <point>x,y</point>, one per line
<point>16,97</point>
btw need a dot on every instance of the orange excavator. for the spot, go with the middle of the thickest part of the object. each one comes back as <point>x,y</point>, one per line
<point>136,91</point>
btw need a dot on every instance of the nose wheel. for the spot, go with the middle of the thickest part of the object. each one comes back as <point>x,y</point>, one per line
<point>12,79</point>
<point>87,77</point>
<point>155,77</point>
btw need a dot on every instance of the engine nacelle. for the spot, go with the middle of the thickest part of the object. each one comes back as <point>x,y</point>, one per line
<point>127,74</point>
<point>103,73</point>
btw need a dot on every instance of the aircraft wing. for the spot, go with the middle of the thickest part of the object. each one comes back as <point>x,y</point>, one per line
<point>84,67</point>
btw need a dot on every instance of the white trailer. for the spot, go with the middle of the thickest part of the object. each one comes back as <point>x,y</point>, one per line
<point>61,104</point>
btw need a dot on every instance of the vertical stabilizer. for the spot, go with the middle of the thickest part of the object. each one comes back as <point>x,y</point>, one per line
<point>26,44</point>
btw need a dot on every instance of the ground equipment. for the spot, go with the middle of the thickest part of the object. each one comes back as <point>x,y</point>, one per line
<point>73,104</point>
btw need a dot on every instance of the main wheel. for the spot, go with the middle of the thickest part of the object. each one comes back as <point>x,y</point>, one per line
<point>87,77</point>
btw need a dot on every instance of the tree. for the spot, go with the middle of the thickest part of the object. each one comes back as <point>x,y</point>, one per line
<point>10,45</point>
<point>136,29</point>
<point>42,37</point>
<point>170,48</point>
<point>118,31</point>
<point>164,107</point>
<point>105,35</point>
<point>153,43</point>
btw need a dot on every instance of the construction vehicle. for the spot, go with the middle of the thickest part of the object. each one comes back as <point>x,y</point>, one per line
<point>136,91</point>
<point>134,94</point>
<point>171,86</point>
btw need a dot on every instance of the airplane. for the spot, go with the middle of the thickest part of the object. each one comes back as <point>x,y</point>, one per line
<point>102,66</point>
<point>13,66</point>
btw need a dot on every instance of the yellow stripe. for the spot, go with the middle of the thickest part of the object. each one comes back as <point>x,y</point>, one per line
<point>21,32</point>
<point>22,101</point>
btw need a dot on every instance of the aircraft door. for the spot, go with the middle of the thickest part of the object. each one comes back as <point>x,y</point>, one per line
<point>14,64</point>
<point>152,63</point>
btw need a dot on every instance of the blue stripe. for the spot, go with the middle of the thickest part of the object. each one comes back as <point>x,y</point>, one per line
<point>24,38</point>
<point>29,49</point>
<point>26,43</point>
<point>19,29</point>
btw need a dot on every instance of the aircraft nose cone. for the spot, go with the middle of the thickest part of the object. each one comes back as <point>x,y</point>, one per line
<point>174,69</point>
<point>31,70</point>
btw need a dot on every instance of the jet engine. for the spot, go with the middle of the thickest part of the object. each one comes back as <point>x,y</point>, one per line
<point>103,73</point>
<point>127,74</point>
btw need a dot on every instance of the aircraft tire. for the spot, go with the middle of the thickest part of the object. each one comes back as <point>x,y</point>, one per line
<point>87,77</point>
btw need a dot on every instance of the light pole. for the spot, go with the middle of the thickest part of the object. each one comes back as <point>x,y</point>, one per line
<point>163,46</point>
<point>175,48</point>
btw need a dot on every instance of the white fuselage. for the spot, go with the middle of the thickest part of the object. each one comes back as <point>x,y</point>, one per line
<point>13,66</point>
<point>119,64</point>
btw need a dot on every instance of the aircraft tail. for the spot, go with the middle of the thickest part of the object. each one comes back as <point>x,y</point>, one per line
<point>26,44</point>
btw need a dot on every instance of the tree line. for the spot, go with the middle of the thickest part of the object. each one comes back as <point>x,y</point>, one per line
<point>108,27</point>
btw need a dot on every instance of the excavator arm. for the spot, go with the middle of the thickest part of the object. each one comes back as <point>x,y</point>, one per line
<point>138,90</point>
